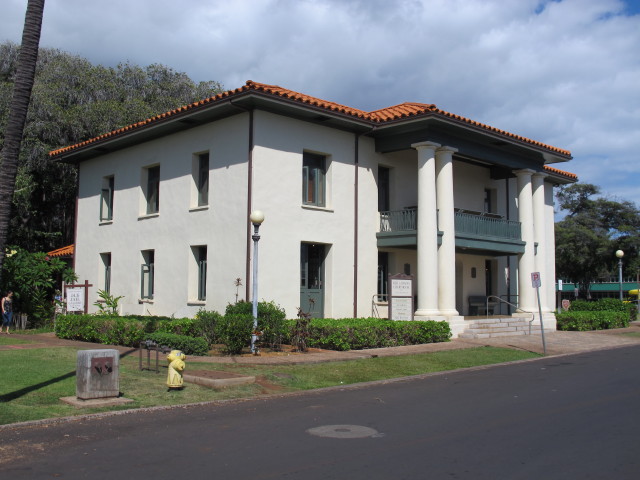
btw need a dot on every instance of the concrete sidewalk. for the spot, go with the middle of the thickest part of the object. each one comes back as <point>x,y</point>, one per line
<point>557,343</point>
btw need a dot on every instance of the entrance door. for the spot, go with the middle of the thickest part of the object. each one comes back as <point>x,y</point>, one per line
<point>312,279</point>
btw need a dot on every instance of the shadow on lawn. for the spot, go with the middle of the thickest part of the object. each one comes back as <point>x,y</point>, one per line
<point>24,391</point>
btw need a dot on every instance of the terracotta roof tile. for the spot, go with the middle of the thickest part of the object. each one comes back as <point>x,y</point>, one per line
<point>62,252</point>
<point>557,171</point>
<point>381,116</point>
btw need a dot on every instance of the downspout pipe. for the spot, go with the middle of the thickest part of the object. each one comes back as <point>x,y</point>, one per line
<point>247,274</point>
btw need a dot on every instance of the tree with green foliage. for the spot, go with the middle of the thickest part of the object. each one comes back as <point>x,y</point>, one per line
<point>73,100</point>
<point>593,229</point>
<point>32,278</point>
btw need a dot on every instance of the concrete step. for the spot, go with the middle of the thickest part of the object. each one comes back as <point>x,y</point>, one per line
<point>498,327</point>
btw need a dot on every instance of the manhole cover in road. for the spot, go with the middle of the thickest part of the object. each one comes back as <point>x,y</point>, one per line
<point>344,431</point>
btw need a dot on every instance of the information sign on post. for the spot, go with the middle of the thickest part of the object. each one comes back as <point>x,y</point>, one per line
<point>78,297</point>
<point>400,297</point>
<point>75,299</point>
<point>536,282</point>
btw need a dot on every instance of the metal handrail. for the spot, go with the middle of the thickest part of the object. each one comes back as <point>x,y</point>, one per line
<point>374,304</point>
<point>533,316</point>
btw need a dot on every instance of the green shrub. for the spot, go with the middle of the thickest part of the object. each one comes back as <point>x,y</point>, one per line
<point>581,321</point>
<point>271,321</point>
<point>180,326</point>
<point>605,304</point>
<point>101,329</point>
<point>360,333</point>
<point>234,330</point>
<point>207,324</point>
<point>188,345</point>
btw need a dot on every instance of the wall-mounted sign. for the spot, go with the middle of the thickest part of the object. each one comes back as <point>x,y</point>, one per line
<point>400,297</point>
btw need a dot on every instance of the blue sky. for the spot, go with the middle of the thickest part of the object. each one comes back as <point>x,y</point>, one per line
<point>565,72</point>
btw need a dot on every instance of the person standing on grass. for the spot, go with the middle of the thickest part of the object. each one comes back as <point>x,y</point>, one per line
<point>7,310</point>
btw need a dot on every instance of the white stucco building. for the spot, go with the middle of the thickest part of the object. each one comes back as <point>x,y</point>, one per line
<point>349,198</point>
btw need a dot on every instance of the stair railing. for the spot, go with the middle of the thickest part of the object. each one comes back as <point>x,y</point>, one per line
<point>533,317</point>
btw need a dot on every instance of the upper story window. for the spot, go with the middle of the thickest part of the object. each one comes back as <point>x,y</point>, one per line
<point>314,179</point>
<point>203,179</point>
<point>106,199</point>
<point>152,191</point>
<point>384,189</point>
<point>200,172</point>
<point>489,200</point>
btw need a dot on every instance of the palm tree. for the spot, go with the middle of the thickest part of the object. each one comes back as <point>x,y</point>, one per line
<point>25,74</point>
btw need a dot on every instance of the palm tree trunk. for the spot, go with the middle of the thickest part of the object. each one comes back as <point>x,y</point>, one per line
<point>25,74</point>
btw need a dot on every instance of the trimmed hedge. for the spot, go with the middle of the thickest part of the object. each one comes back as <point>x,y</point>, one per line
<point>194,336</point>
<point>361,333</point>
<point>107,330</point>
<point>582,321</point>
<point>605,304</point>
<point>188,345</point>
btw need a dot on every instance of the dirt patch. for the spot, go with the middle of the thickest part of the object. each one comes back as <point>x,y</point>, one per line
<point>213,374</point>
<point>282,351</point>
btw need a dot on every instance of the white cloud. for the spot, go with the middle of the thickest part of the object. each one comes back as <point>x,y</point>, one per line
<point>561,72</point>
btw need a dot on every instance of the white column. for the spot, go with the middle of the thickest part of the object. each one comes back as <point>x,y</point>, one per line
<point>526,262</point>
<point>539,225</point>
<point>446,224</point>
<point>427,230</point>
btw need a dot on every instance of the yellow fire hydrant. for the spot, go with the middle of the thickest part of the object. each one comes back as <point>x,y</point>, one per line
<point>176,365</point>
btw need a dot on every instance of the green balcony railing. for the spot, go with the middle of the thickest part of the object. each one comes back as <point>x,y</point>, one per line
<point>466,222</point>
<point>399,220</point>
<point>486,225</point>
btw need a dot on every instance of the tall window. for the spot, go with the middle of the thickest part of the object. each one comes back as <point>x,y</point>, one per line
<point>383,274</point>
<point>383,189</point>
<point>489,200</point>
<point>313,179</point>
<point>200,256</point>
<point>147,274</point>
<point>202,181</point>
<point>106,269</point>
<point>153,190</point>
<point>106,199</point>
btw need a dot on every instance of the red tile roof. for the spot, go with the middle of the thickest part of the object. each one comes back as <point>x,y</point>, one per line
<point>557,171</point>
<point>384,115</point>
<point>62,252</point>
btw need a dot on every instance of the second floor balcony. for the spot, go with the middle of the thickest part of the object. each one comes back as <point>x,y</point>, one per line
<point>473,230</point>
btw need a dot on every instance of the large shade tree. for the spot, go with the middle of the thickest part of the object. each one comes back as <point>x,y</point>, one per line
<point>73,100</point>
<point>25,74</point>
<point>589,235</point>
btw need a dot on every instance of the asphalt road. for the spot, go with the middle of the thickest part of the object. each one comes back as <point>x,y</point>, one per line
<point>566,417</point>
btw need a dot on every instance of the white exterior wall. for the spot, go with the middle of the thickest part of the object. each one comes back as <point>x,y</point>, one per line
<point>277,191</point>
<point>279,143</point>
<point>171,233</point>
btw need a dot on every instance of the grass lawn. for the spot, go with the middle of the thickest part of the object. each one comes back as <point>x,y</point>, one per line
<point>9,340</point>
<point>632,334</point>
<point>33,380</point>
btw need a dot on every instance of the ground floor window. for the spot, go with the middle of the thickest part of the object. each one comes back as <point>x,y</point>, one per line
<point>147,274</point>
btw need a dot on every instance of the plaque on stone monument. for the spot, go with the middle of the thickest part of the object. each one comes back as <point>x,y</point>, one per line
<point>97,374</point>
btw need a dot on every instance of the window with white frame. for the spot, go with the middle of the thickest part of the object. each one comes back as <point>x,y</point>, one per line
<point>314,179</point>
<point>147,274</point>
<point>151,185</point>
<point>106,199</point>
